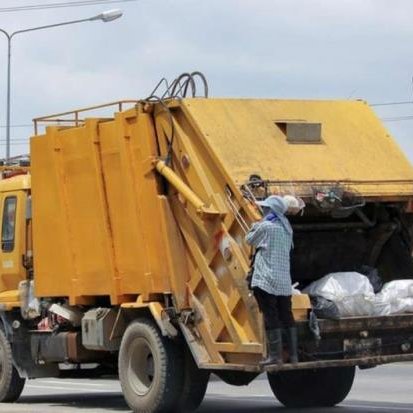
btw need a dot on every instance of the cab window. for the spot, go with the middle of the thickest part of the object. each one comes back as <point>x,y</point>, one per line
<point>9,224</point>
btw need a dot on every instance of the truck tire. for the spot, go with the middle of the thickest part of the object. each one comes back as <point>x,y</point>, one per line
<point>194,386</point>
<point>11,384</point>
<point>312,388</point>
<point>236,378</point>
<point>150,368</point>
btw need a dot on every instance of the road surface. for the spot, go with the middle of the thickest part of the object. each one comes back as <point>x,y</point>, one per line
<point>385,389</point>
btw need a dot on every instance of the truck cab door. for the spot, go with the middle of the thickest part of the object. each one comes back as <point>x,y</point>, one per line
<point>13,240</point>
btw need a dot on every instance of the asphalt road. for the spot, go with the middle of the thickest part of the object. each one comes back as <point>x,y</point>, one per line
<point>386,389</point>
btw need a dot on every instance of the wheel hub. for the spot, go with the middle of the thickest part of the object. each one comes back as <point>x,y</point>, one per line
<point>141,368</point>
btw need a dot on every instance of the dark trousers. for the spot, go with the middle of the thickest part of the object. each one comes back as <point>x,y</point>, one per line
<point>276,309</point>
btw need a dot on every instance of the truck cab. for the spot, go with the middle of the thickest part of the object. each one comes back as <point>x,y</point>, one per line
<point>15,235</point>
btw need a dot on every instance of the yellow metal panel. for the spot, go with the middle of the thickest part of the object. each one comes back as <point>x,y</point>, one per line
<point>355,148</point>
<point>147,189</point>
<point>85,213</point>
<point>53,255</point>
<point>15,183</point>
<point>301,304</point>
<point>120,203</point>
<point>97,228</point>
<point>9,305</point>
<point>128,146</point>
<point>155,308</point>
<point>10,296</point>
<point>124,210</point>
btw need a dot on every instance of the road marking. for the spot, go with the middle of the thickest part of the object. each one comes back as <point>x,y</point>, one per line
<point>371,406</point>
<point>70,389</point>
<point>244,398</point>
<point>268,399</point>
<point>73,383</point>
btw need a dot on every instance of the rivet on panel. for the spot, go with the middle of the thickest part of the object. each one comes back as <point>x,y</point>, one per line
<point>227,254</point>
<point>181,199</point>
<point>185,161</point>
<point>225,248</point>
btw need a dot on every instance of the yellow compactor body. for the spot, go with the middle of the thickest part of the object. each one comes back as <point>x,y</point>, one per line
<point>132,236</point>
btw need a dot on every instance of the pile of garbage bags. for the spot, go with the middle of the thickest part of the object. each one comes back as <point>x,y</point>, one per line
<point>396,297</point>
<point>349,294</point>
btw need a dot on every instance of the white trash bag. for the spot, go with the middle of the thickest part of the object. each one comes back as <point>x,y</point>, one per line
<point>403,305</point>
<point>396,297</point>
<point>352,293</point>
<point>397,289</point>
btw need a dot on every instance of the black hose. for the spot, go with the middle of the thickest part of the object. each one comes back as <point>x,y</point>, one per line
<point>179,88</point>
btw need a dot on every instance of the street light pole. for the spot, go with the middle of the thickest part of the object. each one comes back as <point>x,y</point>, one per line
<point>9,37</point>
<point>105,17</point>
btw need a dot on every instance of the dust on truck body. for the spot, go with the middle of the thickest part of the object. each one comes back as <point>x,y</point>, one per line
<point>128,248</point>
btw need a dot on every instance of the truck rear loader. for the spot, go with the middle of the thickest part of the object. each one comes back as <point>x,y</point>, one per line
<point>123,247</point>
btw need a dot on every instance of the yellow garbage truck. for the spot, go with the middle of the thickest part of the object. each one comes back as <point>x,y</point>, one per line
<point>123,244</point>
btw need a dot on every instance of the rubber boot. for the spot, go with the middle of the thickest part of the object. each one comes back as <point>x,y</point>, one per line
<point>292,344</point>
<point>274,348</point>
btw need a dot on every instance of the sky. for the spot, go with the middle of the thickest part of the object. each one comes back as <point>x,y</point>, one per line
<point>309,49</point>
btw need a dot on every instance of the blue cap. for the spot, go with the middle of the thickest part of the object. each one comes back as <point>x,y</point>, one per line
<point>276,203</point>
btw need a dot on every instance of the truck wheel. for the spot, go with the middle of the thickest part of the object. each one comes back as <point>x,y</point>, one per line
<point>194,386</point>
<point>236,378</point>
<point>150,368</point>
<point>312,388</point>
<point>11,384</point>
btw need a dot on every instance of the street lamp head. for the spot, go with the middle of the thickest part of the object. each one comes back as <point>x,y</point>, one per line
<point>108,16</point>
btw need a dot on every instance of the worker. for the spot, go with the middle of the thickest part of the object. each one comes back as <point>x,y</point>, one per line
<point>271,279</point>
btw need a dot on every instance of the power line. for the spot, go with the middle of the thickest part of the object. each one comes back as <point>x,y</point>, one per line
<point>407,102</point>
<point>17,140</point>
<point>17,126</point>
<point>58,5</point>
<point>397,118</point>
<point>14,143</point>
<point>412,81</point>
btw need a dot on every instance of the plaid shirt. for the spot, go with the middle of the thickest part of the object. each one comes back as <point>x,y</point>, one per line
<point>272,262</point>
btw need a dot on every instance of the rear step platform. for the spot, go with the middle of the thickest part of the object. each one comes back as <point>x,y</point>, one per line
<point>389,322</point>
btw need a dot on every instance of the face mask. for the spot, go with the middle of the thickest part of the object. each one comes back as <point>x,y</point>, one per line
<point>266,211</point>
